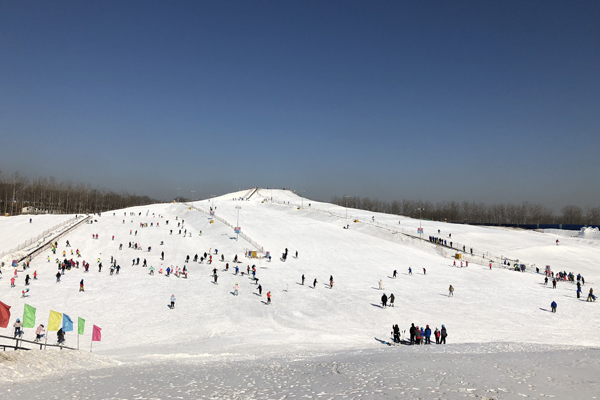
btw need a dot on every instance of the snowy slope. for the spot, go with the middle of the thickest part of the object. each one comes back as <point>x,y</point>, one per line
<point>208,321</point>
<point>17,229</point>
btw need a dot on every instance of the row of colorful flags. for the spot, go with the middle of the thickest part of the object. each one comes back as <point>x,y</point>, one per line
<point>54,321</point>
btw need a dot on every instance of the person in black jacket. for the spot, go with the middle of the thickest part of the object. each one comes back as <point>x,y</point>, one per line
<point>384,300</point>
<point>61,336</point>
<point>412,333</point>
<point>396,330</point>
<point>443,335</point>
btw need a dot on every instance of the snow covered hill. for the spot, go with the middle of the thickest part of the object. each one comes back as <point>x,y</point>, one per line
<point>497,305</point>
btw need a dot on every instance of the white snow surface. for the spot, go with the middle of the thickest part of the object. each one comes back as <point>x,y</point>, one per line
<point>210,324</point>
<point>17,229</point>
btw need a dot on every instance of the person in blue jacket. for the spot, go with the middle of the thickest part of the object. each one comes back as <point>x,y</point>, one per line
<point>553,305</point>
<point>427,335</point>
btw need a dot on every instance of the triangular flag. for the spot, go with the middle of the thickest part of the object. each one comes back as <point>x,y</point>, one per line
<point>55,320</point>
<point>80,325</point>
<point>67,323</point>
<point>4,315</point>
<point>29,317</point>
<point>97,334</point>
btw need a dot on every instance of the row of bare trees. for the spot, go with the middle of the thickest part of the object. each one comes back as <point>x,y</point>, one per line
<point>47,196</point>
<point>525,213</point>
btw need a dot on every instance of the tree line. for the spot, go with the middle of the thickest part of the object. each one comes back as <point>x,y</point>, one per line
<point>48,196</point>
<point>471,212</point>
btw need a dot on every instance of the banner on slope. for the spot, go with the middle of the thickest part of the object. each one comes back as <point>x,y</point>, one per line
<point>96,334</point>
<point>4,315</point>
<point>80,325</point>
<point>54,321</point>
<point>28,317</point>
<point>67,323</point>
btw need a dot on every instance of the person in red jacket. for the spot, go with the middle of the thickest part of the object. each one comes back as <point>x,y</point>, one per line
<point>437,336</point>
<point>418,336</point>
<point>268,297</point>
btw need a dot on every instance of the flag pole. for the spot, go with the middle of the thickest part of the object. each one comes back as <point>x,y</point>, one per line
<point>91,344</point>
<point>47,333</point>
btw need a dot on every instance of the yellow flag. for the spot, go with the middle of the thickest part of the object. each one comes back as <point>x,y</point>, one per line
<point>55,320</point>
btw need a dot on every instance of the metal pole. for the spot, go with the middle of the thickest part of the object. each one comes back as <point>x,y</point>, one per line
<point>346,197</point>
<point>420,228</point>
<point>237,235</point>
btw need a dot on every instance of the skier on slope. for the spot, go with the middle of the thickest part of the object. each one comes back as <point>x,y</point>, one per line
<point>315,283</point>
<point>302,279</point>
<point>330,281</point>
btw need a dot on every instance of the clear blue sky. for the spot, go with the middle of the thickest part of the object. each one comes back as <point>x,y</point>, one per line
<point>490,101</point>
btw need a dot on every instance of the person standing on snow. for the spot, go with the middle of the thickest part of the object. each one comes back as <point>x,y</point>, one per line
<point>392,298</point>
<point>394,274</point>
<point>60,336</point>
<point>396,333</point>
<point>427,335</point>
<point>235,289</point>
<point>315,283</point>
<point>380,284</point>
<point>172,301</point>
<point>268,297</point>
<point>451,291</point>
<point>18,325</point>
<point>443,335</point>
<point>302,279</point>
<point>436,333</point>
<point>260,290</point>
<point>330,281</point>
<point>81,286</point>
<point>553,305</point>
<point>384,300</point>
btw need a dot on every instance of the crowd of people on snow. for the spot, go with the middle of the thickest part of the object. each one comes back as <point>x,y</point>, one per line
<point>418,335</point>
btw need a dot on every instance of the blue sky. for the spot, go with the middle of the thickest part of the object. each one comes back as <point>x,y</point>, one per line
<point>456,100</point>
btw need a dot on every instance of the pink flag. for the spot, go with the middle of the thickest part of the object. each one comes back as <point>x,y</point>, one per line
<point>4,315</point>
<point>97,334</point>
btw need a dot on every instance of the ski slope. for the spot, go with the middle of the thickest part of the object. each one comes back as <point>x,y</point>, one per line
<point>208,322</point>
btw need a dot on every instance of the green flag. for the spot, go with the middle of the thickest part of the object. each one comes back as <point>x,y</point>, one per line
<point>80,325</point>
<point>29,317</point>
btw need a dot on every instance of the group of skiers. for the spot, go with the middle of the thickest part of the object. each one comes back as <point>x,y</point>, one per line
<point>421,335</point>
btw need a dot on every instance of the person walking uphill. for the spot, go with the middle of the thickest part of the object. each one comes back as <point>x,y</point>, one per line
<point>172,301</point>
<point>451,291</point>
<point>81,289</point>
